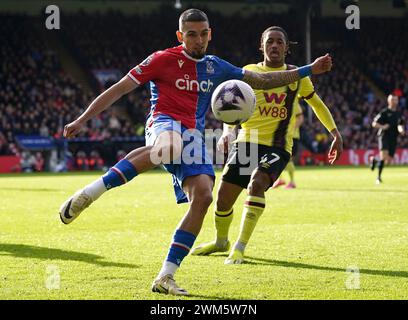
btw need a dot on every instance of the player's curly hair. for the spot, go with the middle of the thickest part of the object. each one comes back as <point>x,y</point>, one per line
<point>285,34</point>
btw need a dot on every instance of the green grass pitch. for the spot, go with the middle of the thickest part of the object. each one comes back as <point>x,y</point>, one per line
<point>303,245</point>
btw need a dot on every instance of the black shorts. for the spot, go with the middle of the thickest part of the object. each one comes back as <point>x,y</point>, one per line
<point>245,157</point>
<point>295,147</point>
<point>387,144</point>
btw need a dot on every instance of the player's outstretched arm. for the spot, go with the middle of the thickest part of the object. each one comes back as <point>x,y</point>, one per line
<point>268,80</point>
<point>325,117</point>
<point>101,103</point>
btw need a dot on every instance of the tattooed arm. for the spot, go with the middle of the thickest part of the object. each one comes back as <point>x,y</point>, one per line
<point>268,80</point>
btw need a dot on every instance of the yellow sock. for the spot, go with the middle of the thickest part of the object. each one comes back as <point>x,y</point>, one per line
<point>253,209</point>
<point>290,168</point>
<point>223,221</point>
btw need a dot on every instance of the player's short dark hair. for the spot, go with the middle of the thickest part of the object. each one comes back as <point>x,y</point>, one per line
<point>280,29</point>
<point>192,15</point>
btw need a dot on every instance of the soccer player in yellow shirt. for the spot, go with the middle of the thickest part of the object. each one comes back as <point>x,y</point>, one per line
<point>268,137</point>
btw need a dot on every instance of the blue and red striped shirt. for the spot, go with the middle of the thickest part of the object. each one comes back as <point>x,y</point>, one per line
<point>181,86</point>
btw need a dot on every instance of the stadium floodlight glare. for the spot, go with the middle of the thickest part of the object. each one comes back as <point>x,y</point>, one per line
<point>177,4</point>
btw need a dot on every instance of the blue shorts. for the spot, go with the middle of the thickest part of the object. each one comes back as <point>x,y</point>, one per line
<point>194,159</point>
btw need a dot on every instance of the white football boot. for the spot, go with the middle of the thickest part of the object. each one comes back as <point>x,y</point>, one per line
<point>167,285</point>
<point>235,257</point>
<point>209,248</point>
<point>72,208</point>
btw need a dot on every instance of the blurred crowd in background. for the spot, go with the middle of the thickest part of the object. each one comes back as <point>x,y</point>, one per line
<point>38,96</point>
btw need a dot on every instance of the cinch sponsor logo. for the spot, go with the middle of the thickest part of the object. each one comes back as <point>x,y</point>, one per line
<point>273,97</point>
<point>193,85</point>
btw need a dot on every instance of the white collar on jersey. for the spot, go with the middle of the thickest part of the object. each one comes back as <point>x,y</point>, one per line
<point>190,57</point>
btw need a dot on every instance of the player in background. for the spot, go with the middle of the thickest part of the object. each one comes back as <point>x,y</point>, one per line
<point>290,167</point>
<point>274,121</point>
<point>182,80</point>
<point>389,124</point>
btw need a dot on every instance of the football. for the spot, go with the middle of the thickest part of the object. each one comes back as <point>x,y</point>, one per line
<point>233,102</point>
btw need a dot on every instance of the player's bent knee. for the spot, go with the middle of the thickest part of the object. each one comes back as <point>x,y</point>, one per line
<point>202,199</point>
<point>206,199</point>
<point>259,183</point>
<point>255,187</point>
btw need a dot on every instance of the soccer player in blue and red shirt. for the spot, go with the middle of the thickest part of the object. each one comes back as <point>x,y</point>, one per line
<point>182,80</point>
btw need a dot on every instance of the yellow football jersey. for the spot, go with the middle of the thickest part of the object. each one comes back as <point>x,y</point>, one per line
<point>273,121</point>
